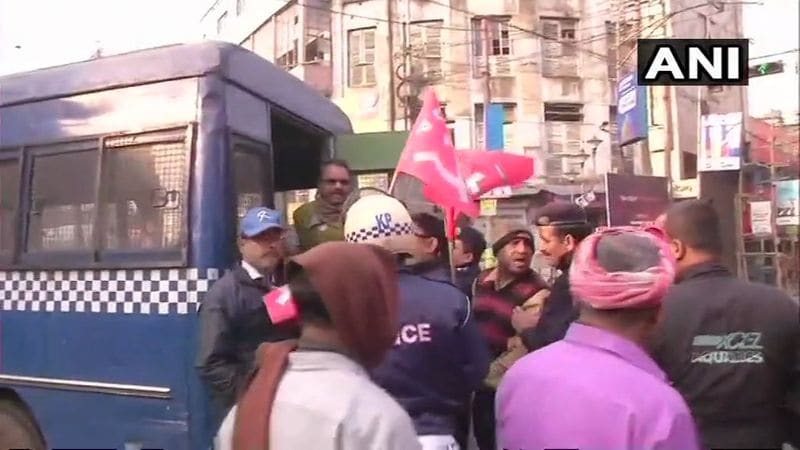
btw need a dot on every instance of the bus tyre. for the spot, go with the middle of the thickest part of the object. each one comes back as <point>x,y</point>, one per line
<point>17,428</point>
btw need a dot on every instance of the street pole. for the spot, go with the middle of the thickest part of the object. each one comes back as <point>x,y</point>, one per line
<point>390,42</point>
<point>700,143</point>
<point>487,86</point>
<point>487,101</point>
<point>670,125</point>
<point>407,59</point>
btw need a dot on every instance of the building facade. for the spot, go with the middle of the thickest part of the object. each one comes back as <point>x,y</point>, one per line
<point>674,112</point>
<point>294,36</point>
<point>545,62</point>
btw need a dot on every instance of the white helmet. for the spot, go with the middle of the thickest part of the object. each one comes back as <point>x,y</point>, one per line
<point>380,220</point>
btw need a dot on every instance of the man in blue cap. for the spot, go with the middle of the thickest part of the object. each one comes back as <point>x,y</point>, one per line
<point>233,318</point>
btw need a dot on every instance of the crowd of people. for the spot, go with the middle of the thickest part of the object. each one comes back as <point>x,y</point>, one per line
<point>644,341</point>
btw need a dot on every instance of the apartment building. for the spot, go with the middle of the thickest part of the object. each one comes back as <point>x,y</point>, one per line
<point>545,63</point>
<point>547,66</point>
<point>294,36</point>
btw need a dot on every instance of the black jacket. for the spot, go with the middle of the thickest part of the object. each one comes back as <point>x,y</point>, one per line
<point>557,315</point>
<point>233,322</point>
<point>439,357</point>
<point>732,348</point>
<point>465,278</point>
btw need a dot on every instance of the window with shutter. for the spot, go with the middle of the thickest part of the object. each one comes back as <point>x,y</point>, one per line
<point>567,37</point>
<point>425,39</point>
<point>550,29</point>
<point>499,37</point>
<point>563,128</point>
<point>563,112</point>
<point>560,47</point>
<point>361,50</point>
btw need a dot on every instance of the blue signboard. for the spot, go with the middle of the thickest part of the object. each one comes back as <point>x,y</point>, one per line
<point>496,117</point>
<point>631,110</point>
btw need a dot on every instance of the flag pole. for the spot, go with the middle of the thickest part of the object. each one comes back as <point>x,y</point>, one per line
<point>450,231</point>
<point>392,183</point>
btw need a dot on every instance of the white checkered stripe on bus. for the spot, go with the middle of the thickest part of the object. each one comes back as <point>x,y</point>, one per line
<point>160,291</point>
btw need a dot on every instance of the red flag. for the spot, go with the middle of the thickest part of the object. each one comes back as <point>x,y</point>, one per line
<point>485,171</point>
<point>429,156</point>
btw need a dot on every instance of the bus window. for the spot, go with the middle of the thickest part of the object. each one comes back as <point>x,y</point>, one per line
<point>143,192</point>
<point>62,200</point>
<point>252,175</point>
<point>379,180</point>
<point>9,197</point>
<point>252,178</point>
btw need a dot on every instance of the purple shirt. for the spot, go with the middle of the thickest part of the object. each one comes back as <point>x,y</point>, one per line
<point>594,390</point>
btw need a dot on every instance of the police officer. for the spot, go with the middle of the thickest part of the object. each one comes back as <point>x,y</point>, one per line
<point>439,357</point>
<point>467,251</point>
<point>731,347</point>
<point>561,226</point>
<point>233,318</point>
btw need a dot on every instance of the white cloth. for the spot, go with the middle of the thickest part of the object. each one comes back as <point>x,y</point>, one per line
<point>436,442</point>
<point>325,401</point>
<point>252,271</point>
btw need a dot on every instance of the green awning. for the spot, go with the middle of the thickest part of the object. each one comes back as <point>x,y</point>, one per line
<point>367,152</point>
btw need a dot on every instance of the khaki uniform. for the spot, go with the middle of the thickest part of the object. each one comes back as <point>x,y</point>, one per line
<point>312,230</point>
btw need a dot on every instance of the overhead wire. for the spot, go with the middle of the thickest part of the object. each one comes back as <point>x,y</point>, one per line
<point>516,27</point>
<point>576,44</point>
<point>772,55</point>
<point>519,31</point>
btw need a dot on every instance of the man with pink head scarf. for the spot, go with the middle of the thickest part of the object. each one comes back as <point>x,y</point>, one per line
<point>598,387</point>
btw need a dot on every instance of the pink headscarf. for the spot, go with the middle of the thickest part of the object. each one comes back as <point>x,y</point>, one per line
<point>593,286</point>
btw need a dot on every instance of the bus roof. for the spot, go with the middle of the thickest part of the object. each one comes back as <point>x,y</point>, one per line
<point>174,62</point>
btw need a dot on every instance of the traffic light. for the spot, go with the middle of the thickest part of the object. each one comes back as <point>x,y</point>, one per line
<point>769,68</point>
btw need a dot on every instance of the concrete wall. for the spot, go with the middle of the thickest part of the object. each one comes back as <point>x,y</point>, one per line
<point>462,85</point>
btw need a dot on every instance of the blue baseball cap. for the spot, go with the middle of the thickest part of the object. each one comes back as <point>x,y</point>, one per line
<point>259,220</point>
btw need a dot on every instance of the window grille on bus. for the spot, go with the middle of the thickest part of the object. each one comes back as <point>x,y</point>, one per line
<point>9,198</point>
<point>61,215</point>
<point>143,198</point>
<point>142,194</point>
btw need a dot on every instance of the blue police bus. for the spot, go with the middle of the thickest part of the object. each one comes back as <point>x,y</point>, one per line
<point>121,180</point>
